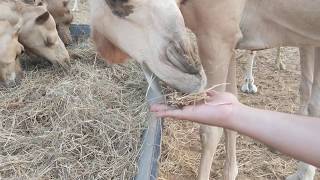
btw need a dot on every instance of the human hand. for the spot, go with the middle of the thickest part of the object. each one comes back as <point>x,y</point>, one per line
<point>215,110</point>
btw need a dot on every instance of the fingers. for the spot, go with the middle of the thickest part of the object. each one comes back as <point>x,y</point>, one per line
<point>176,114</point>
<point>160,107</point>
<point>162,110</point>
<point>212,93</point>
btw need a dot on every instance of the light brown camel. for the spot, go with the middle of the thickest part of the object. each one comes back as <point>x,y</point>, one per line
<point>38,32</point>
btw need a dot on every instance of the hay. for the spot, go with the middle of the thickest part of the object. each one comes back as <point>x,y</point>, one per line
<point>179,99</point>
<point>84,124</point>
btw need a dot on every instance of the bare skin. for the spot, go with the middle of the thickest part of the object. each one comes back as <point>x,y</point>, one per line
<point>291,134</point>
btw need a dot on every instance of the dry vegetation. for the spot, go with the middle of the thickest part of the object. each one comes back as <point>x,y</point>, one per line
<point>83,124</point>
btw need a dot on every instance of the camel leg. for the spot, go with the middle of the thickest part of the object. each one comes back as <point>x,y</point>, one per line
<point>308,72</point>
<point>314,103</point>
<point>230,166</point>
<point>249,86</point>
<point>210,137</point>
<point>217,41</point>
<point>307,56</point>
<point>75,6</point>
<point>217,72</point>
<point>279,61</point>
<point>216,67</point>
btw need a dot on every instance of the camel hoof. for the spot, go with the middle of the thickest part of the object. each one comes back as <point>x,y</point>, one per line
<point>249,88</point>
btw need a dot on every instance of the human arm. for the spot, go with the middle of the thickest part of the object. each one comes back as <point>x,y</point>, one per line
<point>297,136</point>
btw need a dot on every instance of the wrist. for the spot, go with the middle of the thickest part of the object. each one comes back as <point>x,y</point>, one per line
<point>237,112</point>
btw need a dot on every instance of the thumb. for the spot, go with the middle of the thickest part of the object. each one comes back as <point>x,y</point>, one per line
<point>176,114</point>
<point>186,113</point>
<point>211,93</point>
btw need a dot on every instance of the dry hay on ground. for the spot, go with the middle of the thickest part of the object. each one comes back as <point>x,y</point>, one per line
<point>277,90</point>
<point>84,124</point>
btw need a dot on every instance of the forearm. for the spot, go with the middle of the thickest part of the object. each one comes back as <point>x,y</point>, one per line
<point>297,136</point>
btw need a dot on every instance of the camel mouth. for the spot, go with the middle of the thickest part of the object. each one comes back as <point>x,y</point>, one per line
<point>180,67</point>
<point>184,53</point>
<point>183,57</point>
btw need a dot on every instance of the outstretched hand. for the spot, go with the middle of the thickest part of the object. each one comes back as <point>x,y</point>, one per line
<point>216,110</point>
<point>271,128</point>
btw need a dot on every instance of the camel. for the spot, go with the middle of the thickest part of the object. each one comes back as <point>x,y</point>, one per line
<point>10,51</point>
<point>38,32</point>
<point>153,32</point>
<point>60,11</point>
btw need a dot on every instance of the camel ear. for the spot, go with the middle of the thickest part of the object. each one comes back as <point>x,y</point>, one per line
<point>108,50</point>
<point>42,18</point>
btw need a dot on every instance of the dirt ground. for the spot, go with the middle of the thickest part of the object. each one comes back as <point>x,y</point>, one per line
<point>277,90</point>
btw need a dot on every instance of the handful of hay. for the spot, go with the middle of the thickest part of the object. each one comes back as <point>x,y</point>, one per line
<point>84,124</point>
<point>179,100</point>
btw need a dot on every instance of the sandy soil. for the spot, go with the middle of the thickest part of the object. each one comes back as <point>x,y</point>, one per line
<point>277,90</point>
